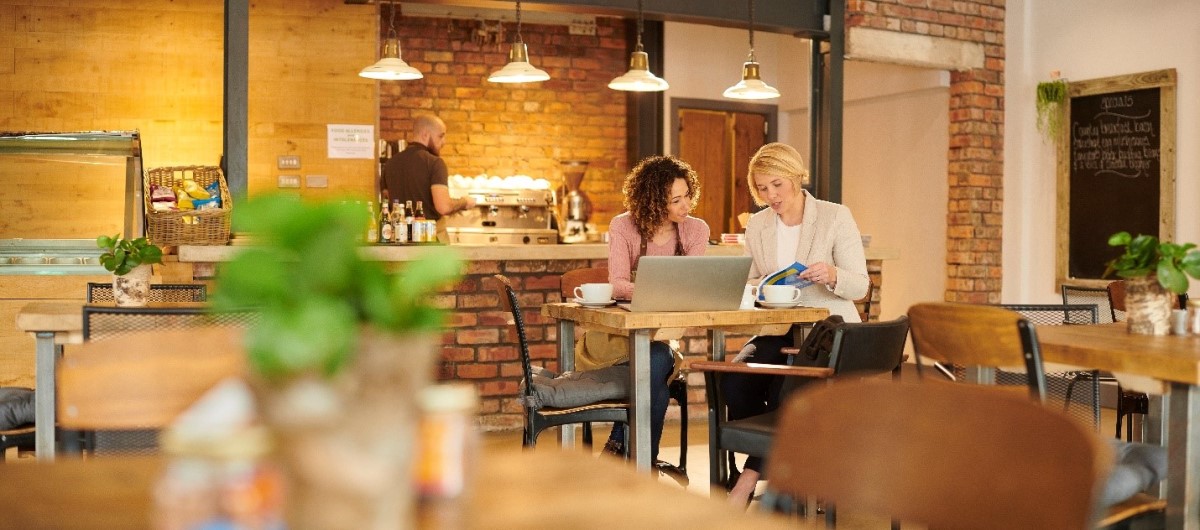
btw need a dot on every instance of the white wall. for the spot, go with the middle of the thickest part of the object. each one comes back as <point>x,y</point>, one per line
<point>1087,39</point>
<point>895,141</point>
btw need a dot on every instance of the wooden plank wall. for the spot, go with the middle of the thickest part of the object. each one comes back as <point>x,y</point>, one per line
<point>156,66</point>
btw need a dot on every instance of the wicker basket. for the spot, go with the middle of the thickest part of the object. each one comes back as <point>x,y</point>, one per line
<point>188,227</point>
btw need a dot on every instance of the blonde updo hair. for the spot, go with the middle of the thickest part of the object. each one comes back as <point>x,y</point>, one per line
<point>777,159</point>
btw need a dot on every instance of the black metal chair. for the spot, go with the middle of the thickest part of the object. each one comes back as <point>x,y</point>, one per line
<point>1128,401</point>
<point>159,292</point>
<point>1060,386</point>
<point>857,349</point>
<point>539,419</point>
<point>102,323</point>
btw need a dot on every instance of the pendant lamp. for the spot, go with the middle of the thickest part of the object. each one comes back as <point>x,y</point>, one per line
<point>751,86</point>
<point>391,67</point>
<point>639,78</point>
<point>518,69</point>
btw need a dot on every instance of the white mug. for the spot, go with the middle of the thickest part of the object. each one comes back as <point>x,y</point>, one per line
<point>781,294</point>
<point>594,292</point>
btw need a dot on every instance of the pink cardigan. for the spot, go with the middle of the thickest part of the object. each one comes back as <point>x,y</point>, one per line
<point>624,243</point>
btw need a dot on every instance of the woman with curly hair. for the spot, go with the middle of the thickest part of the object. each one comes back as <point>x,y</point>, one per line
<point>659,192</point>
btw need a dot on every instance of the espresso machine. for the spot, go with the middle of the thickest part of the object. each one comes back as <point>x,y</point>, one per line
<point>513,210</point>
<point>576,206</point>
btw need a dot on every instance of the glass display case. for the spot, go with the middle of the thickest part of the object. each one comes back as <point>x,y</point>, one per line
<point>61,190</point>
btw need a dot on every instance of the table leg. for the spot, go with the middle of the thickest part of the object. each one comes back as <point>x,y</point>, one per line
<point>47,354</point>
<point>566,363</point>
<point>716,341</point>
<point>1183,456</point>
<point>639,402</point>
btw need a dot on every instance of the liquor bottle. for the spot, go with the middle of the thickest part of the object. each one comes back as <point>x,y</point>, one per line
<point>408,220</point>
<point>419,232</point>
<point>385,225</point>
<point>372,229</point>
<point>399,228</point>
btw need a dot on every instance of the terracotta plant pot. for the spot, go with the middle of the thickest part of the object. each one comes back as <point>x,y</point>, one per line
<point>346,444</point>
<point>1148,306</point>
<point>133,288</point>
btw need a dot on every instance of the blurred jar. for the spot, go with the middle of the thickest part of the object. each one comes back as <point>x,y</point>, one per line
<point>224,484</point>
<point>1194,316</point>
<point>448,440</point>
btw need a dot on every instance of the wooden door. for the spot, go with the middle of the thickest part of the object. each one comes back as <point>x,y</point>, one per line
<point>718,145</point>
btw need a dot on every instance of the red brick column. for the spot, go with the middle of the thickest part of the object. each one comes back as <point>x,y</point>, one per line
<point>976,154</point>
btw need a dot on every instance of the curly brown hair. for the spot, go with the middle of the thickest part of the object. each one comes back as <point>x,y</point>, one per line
<point>647,190</point>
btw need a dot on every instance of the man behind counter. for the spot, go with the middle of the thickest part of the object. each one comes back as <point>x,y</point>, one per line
<point>419,174</point>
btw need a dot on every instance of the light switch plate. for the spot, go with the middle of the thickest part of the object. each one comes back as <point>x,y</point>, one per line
<point>289,181</point>
<point>289,162</point>
<point>316,181</point>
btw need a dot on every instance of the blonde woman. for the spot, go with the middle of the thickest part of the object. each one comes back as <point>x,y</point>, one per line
<point>794,227</point>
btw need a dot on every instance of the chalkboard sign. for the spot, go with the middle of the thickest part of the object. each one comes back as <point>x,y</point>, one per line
<point>1116,167</point>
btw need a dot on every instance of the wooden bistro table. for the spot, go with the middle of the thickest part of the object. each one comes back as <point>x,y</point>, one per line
<point>510,488</point>
<point>641,326</point>
<point>52,325</point>
<point>1175,361</point>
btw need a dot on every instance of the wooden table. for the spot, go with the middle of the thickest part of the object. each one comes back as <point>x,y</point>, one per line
<point>52,325</point>
<point>512,489</point>
<point>639,326</point>
<point>1171,359</point>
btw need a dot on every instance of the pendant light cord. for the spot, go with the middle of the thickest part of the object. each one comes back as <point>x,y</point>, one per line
<point>519,21</point>
<point>639,27</point>
<point>392,20</point>
<point>752,30</point>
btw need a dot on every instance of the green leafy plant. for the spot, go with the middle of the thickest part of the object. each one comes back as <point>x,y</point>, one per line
<point>1050,97</point>
<point>1145,256</point>
<point>314,291</point>
<point>121,255</point>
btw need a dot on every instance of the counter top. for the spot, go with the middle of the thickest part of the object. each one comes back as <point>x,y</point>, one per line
<point>211,254</point>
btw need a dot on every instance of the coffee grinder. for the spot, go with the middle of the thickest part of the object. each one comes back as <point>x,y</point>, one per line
<point>575,202</point>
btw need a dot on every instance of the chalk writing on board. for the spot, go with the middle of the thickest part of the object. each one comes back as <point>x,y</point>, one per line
<point>1119,141</point>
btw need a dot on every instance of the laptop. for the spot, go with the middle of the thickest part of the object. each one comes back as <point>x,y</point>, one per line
<point>689,283</point>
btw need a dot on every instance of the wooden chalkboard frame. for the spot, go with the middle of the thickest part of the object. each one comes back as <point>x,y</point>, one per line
<point>1165,80</point>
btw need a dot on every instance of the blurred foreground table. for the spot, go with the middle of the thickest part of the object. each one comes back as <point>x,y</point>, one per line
<point>513,489</point>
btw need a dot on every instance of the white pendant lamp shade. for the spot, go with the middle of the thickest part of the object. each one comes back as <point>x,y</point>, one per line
<point>639,78</point>
<point>391,67</point>
<point>518,69</point>
<point>751,86</point>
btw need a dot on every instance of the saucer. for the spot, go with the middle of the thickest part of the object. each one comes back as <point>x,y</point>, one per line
<point>594,304</point>
<point>777,305</point>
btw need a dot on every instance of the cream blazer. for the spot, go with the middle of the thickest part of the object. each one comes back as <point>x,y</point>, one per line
<point>828,234</point>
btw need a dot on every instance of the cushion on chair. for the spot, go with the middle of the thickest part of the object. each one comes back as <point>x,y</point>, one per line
<point>574,389</point>
<point>16,407</point>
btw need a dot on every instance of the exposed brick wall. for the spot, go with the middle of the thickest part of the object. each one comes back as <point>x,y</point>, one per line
<point>518,129</point>
<point>976,153</point>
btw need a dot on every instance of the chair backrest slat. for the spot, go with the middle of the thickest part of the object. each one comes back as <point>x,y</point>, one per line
<point>888,449</point>
<point>1077,294</point>
<point>509,302</point>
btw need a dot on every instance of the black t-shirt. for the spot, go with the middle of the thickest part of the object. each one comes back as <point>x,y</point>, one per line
<point>409,175</point>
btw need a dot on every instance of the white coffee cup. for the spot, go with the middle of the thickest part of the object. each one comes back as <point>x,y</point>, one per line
<point>781,294</point>
<point>595,293</point>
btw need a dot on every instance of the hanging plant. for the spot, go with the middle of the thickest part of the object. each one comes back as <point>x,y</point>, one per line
<point>1050,97</point>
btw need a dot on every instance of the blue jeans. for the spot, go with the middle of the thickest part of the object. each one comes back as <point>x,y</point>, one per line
<point>662,363</point>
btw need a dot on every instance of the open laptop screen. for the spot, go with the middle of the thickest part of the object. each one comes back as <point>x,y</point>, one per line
<point>689,283</point>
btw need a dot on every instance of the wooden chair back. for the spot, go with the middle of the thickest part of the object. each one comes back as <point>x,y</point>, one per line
<point>1116,295</point>
<point>888,449</point>
<point>574,278</point>
<point>977,335</point>
<point>144,379</point>
<point>864,304</point>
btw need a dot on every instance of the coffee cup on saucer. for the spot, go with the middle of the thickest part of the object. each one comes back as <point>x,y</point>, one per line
<point>781,294</point>
<point>594,293</point>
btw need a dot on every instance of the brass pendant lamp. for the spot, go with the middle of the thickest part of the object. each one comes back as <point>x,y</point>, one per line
<point>390,66</point>
<point>518,69</point>
<point>639,78</point>
<point>751,86</point>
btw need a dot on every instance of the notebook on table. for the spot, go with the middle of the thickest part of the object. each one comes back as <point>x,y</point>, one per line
<point>689,283</point>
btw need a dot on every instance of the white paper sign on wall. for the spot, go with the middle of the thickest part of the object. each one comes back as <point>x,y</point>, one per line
<point>351,141</point>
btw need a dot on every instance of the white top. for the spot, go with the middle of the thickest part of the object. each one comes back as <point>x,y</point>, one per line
<point>787,240</point>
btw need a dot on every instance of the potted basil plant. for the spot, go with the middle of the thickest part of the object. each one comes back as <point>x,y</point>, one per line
<point>130,262</point>
<point>1155,274</point>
